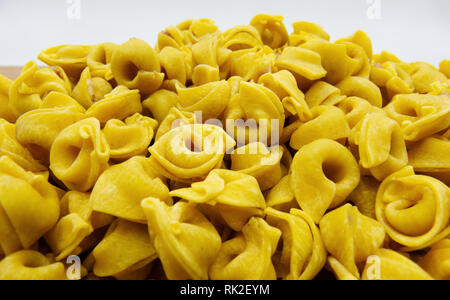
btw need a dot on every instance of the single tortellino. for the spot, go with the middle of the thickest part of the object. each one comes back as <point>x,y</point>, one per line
<point>424,75</point>
<point>351,237</point>
<point>28,91</point>
<point>71,58</point>
<point>272,30</point>
<point>357,53</point>
<point>201,27</point>
<point>303,254</point>
<point>204,74</point>
<point>31,265</point>
<point>437,261</point>
<point>386,264</point>
<point>188,153</point>
<point>414,209</point>
<point>304,31</point>
<point>328,122</point>
<point>281,197</point>
<point>120,189</point>
<point>323,93</point>
<point>90,89</point>
<point>139,131</point>
<point>185,241</point>
<point>283,84</point>
<point>248,256</point>
<point>256,113</point>
<point>99,60</point>
<point>125,248</point>
<point>29,206</point>
<point>323,173</point>
<point>356,109</point>
<point>160,103</point>
<point>175,64</point>
<point>10,146</point>
<point>136,65</point>
<point>38,129</point>
<point>211,99</point>
<point>118,104</point>
<point>363,88</point>
<point>257,160</point>
<point>381,145</point>
<point>301,61</point>
<point>79,154</point>
<point>6,111</point>
<point>335,59</point>
<point>236,196</point>
<point>420,116</point>
<point>364,196</point>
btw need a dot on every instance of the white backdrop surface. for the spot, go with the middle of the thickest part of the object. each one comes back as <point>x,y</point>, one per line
<point>415,30</point>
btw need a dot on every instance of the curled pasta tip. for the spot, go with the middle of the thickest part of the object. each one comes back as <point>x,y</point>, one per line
<point>30,265</point>
<point>414,209</point>
<point>185,241</point>
<point>323,174</point>
<point>272,30</point>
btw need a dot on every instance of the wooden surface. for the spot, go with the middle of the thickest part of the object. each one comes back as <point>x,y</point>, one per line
<point>10,72</point>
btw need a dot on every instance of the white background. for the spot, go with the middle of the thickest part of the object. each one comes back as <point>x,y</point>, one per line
<point>415,30</point>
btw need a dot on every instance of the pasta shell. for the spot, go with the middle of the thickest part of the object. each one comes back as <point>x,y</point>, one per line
<point>437,261</point>
<point>90,89</point>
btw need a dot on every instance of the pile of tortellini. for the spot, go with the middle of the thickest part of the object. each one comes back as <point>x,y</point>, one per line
<point>103,156</point>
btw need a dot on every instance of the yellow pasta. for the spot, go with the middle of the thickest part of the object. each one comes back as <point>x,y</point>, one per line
<point>420,115</point>
<point>31,265</point>
<point>125,248</point>
<point>351,237</point>
<point>253,153</point>
<point>139,131</point>
<point>28,91</point>
<point>118,104</point>
<point>323,174</point>
<point>29,206</point>
<point>328,122</point>
<point>381,146</point>
<point>436,262</point>
<point>120,189</point>
<point>248,256</point>
<point>190,152</point>
<point>79,154</point>
<point>185,241</point>
<point>414,209</point>
<point>303,254</point>
<point>235,195</point>
<point>5,110</point>
<point>135,65</point>
<point>90,89</point>
<point>257,160</point>
<point>393,266</point>
<point>71,58</point>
